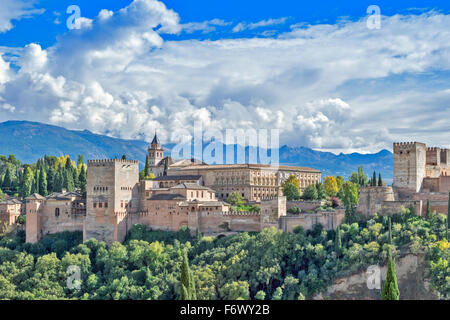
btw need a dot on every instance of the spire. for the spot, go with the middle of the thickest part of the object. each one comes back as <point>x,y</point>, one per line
<point>155,139</point>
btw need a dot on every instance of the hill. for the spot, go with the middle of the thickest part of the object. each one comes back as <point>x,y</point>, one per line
<point>29,141</point>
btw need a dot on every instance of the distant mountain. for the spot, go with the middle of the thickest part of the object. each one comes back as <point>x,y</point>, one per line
<point>29,141</point>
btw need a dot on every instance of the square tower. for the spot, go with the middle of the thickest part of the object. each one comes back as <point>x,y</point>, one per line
<point>410,160</point>
<point>111,189</point>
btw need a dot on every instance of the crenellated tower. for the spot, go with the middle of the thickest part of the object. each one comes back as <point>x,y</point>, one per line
<point>410,160</point>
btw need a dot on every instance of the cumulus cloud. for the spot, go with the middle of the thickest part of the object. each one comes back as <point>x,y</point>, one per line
<point>16,10</point>
<point>330,87</point>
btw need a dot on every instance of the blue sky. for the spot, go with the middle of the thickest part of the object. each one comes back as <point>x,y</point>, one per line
<point>312,69</point>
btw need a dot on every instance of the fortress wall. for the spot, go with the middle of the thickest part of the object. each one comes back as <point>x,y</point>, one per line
<point>444,185</point>
<point>303,205</point>
<point>371,199</point>
<point>431,184</point>
<point>213,222</point>
<point>393,207</point>
<point>329,220</point>
<point>434,156</point>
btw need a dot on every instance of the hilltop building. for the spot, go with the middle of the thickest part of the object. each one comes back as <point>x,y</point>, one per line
<point>420,174</point>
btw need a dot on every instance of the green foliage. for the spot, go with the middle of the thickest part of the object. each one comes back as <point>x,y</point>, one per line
<point>291,192</point>
<point>235,199</point>
<point>310,193</point>
<point>265,265</point>
<point>188,291</point>
<point>390,289</point>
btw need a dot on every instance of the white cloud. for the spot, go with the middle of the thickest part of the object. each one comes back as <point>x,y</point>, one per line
<point>241,26</point>
<point>205,26</point>
<point>16,10</point>
<point>332,87</point>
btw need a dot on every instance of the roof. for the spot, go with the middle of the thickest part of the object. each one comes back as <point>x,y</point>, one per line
<point>35,196</point>
<point>11,201</point>
<point>191,186</point>
<point>248,166</point>
<point>167,196</point>
<point>178,177</point>
<point>155,139</point>
<point>63,196</point>
<point>187,163</point>
<point>213,203</point>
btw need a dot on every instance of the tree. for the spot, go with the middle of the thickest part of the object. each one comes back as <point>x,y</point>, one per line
<point>331,186</point>
<point>390,231</point>
<point>428,213</point>
<point>188,291</point>
<point>198,236</point>
<point>310,193</point>
<point>235,199</point>
<point>27,183</point>
<point>277,294</point>
<point>291,192</point>
<point>147,166</point>
<point>260,295</point>
<point>380,181</point>
<point>291,180</point>
<point>338,242</point>
<point>43,183</point>
<point>124,157</point>
<point>68,181</point>
<point>374,179</point>
<point>166,166</point>
<point>7,181</point>
<point>448,214</point>
<point>350,199</point>
<point>321,194</point>
<point>82,179</point>
<point>390,289</point>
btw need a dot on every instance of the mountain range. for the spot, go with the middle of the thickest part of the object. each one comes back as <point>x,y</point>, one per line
<point>29,141</point>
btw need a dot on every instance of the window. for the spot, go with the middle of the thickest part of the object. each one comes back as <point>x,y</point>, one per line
<point>100,204</point>
<point>95,205</point>
<point>106,204</point>
<point>57,212</point>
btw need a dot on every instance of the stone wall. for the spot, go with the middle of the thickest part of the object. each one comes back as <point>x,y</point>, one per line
<point>371,200</point>
<point>412,277</point>
<point>329,220</point>
<point>303,205</point>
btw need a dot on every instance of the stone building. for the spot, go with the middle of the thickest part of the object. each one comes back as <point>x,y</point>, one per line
<point>185,193</point>
<point>10,210</point>
<point>421,174</point>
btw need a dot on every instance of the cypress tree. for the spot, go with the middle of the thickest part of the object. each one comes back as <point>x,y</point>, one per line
<point>448,214</point>
<point>390,230</point>
<point>82,179</point>
<point>374,179</point>
<point>338,242</point>
<point>68,181</point>
<point>27,183</point>
<point>51,179</point>
<point>166,166</point>
<point>390,288</point>
<point>380,181</point>
<point>147,166</point>
<point>198,236</point>
<point>188,291</point>
<point>428,213</point>
<point>43,183</point>
<point>7,181</point>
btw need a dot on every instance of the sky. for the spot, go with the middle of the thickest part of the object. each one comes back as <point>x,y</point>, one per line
<point>321,72</point>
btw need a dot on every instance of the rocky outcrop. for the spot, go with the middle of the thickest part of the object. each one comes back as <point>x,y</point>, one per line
<point>412,277</point>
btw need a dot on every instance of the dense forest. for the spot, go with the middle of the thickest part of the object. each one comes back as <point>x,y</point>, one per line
<point>266,265</point>
<point>47,175</point>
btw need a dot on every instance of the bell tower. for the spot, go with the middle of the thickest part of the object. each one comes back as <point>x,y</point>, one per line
<point>155,152</point>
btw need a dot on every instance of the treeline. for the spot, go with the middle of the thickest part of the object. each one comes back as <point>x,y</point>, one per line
<point>270,265</point>
<point>49,174</point>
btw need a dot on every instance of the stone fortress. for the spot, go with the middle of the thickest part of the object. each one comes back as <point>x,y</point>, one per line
<point>191,193</point>
<point>421,174</point>
<point>186,193</point>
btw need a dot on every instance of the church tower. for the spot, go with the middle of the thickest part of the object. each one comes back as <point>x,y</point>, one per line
<point>155,155</point>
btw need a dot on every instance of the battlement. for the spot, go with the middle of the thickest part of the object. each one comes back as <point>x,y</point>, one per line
<point>109,162</point>
<point>433,149</point>
<point>404,145</point>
